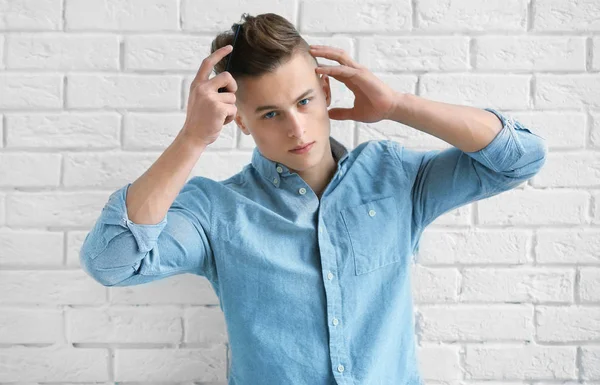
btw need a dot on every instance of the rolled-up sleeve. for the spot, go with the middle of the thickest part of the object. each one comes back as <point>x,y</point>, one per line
<point>119,252</point>
<point>443,180</point>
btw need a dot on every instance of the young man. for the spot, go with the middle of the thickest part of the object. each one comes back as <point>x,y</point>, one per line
<point>309,251</point>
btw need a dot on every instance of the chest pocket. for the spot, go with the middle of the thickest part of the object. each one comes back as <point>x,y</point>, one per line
<point>373,233</point>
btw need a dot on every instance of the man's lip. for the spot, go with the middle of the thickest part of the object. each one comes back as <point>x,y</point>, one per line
<point>299,148</point>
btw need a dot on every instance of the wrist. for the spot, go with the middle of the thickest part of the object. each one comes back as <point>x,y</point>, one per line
<point>185,137</point>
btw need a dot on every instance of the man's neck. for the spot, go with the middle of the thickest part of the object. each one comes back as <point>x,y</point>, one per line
<point>319,177</point>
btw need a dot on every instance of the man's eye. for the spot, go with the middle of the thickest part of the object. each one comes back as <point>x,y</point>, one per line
<point>267,114</point>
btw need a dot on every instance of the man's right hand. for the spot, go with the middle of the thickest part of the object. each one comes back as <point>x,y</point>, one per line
<point>208,110</point>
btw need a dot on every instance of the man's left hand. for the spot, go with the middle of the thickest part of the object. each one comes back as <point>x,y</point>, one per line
<point>373,99</point>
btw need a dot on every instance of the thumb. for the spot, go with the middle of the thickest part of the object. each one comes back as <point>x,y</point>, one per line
<point>340,113</point>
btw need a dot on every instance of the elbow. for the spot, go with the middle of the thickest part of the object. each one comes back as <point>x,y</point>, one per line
<point>108,264</point>
<point>105,277</point>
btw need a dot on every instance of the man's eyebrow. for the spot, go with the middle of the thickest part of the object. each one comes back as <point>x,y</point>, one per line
<point>262,108</point>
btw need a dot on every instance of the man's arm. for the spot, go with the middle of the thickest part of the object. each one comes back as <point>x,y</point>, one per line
<point>442,180</point>
<point>467,128</point>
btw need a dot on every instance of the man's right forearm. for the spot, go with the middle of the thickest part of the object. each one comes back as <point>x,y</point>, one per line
<point>152,194</point>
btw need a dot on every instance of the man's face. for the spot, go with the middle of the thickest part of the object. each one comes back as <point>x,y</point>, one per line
<point>280,113</point>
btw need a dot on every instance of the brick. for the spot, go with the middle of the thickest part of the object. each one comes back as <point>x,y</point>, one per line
<point>460,15</point>
<point>37,15</point>
<point>133,15</point>
<point>367,16</point>
<point>221,165</point>
<point>447,247</point>
<point>30,326</point>
<point>63,52</point>
<point>595,129</point>
<point>435,285</point>
<point>531,53</point>
<point>590,356</point>
<point>560,129</point>
<point>67,130</point>
<point>74,242</point>
<point>567,324</point>
<point>167,53</point>
<point>69,287</point>
<point>569,170</point>
<point>31,248</point>
<point>125,325</point>
<point>18,169</point>
<point>156,131</point>
<point>123,91</point>
<point>520,362</point>
<point>596,53</point>
<point>54,363</point>
<point>408,136</point>
<point>196,16</point>
<point>476,323</point>
<point>588,284</point>
<point>2,64</point>
<point>180,289</point>
<point>2,208</point>
<point>530,285</point>
<point>206,364</point>
<point>105,169</point>
<point>205,326</point>
<point>558,15</point>
<point>595,208</point>
<point>531,207</point>
<point>414,53</point>
<point>567,246</point>
<point>439,363</point>
<point>54,208</point>
<point>30,91</point>
<point>567,91</point>
<point>477,90</point>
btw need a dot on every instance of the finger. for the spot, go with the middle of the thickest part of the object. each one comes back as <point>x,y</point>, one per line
<point>227,97</point>
<point>231,112</point>
<point>224,80</point>
<point>210,61</point>
<point>341,113</point>
<point>333,53</point>
<point>337,71</point>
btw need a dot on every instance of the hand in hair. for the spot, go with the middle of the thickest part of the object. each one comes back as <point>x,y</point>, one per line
<point>373,99</point>
<point>208,110</point>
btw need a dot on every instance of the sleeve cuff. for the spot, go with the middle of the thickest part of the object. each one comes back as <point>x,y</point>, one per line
<point>506,148</point>
<point>115,213</point>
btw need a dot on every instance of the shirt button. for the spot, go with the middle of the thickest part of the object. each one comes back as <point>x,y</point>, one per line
<point>329,276</point>
<point>340,368</point>
<point>279,169</point>
<point>275,180</point>
<point>302,191</point>
<point>335,322</point>
<point>372,213</point>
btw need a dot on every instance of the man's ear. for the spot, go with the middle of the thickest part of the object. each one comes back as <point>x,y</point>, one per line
<point>326,88</point>
<point>240,124</point>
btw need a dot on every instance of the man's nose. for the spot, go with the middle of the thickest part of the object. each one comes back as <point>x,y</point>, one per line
<point>295,126</point>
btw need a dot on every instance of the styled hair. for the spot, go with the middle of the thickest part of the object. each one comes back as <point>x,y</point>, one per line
<point>264,42</point>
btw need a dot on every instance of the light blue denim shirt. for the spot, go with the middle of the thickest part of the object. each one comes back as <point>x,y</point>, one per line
<point>313,291</point>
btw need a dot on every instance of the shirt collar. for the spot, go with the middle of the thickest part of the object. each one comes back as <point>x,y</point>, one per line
<point>272,170</point>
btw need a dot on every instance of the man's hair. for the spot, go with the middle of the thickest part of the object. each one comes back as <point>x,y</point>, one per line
<point>264,42</point>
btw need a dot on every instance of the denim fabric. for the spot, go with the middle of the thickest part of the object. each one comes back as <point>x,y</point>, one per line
<point>313,291</point>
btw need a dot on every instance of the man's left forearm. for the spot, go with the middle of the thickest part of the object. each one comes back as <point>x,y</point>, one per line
<point>468,128</point>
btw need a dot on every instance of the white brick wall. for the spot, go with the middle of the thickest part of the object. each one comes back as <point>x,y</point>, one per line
<point>507,290</point>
